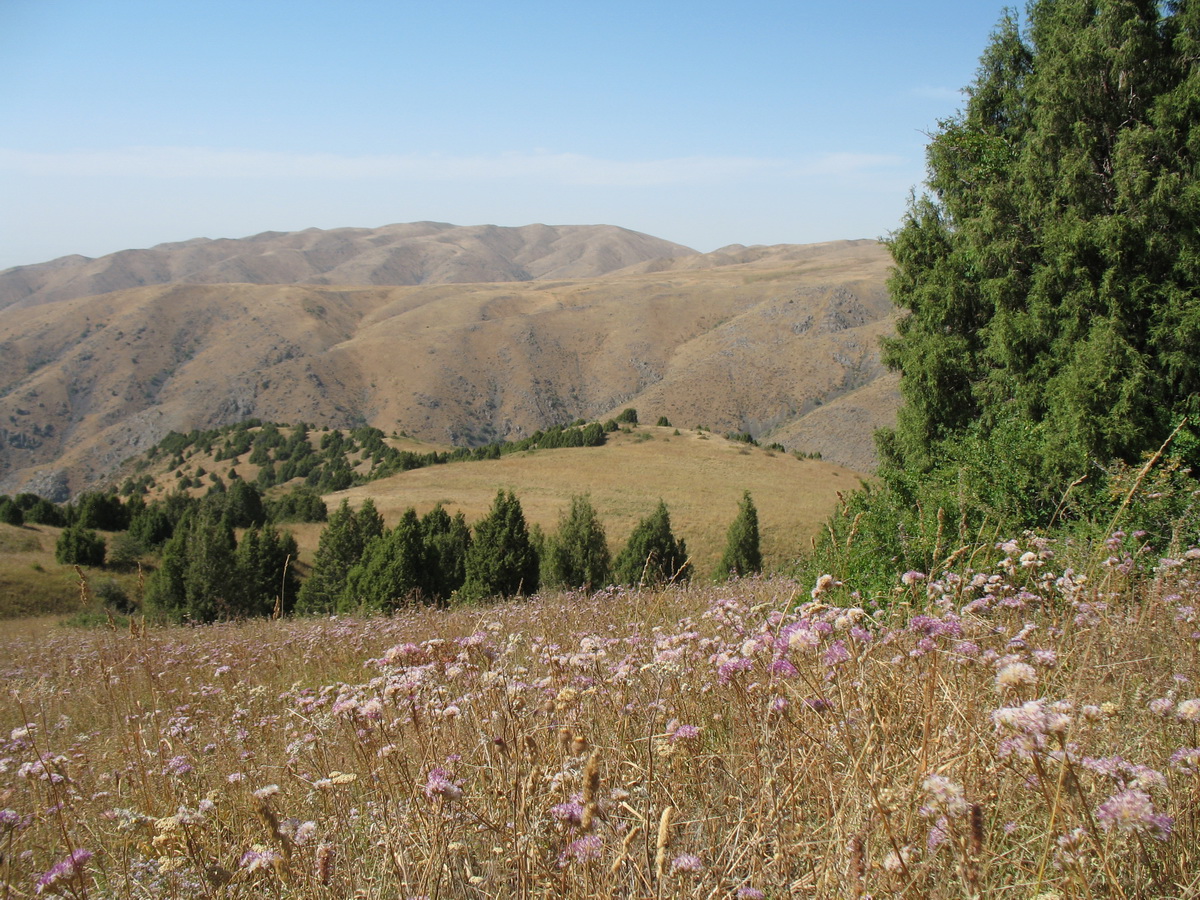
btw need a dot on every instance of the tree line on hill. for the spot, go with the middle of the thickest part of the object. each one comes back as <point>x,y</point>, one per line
<point>206,572</point>
<point>339,460</point>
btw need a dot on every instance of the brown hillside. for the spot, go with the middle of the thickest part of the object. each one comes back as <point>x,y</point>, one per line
<point>748,339</point>
<point>417,253</point>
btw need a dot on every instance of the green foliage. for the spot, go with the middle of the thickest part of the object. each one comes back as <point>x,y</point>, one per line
<point>154,525</point>
<point>743,555</point>
<point>652,555</point>
<point>663,422</point>
<point>501,561</point>
<point>39,511</point>
<point>576,555</point>
<point>301,505</point>
<point>10,512</point>
<point>79,546</point>
<point>447,541</point>
<point>394,569</point>
<point>102,511</point>
<point>111,595</point>
<point>243,506</point>
<point>265,573</point>
<point>125,551</point>
<point>206,575</point>
<point>627,417</point>
<point>339,549</point>
<point>1049,276</point>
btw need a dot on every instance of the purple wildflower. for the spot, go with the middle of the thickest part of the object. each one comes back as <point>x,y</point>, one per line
<point>836,653</point>
<point>585,849</point>
<point>259,858</point>
<point>439,784</point>
<point>686,862</point>
<point>685,733</point>
<point>63,871</point>
<point>727,670</point>
<point>1132,811</point>
<point>569,813</point>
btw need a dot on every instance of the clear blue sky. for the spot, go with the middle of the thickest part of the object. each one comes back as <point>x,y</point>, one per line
<point>126,123</point>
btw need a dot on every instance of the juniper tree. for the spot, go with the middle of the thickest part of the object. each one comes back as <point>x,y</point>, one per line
<point>447,540</point>
<point>394,567</point>
<point>79,546</point>
<point>265,572</point>
<point>576,555</point>
<point>652,555</point>
<point>743,555</point>
<point>1051,271</point>
<point>339,549</point>
<point>501,561</point>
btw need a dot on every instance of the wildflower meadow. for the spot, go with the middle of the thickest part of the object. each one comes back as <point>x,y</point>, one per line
<point>1010,728</point>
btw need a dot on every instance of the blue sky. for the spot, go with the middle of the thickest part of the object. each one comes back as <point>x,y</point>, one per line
<point>127,123</point>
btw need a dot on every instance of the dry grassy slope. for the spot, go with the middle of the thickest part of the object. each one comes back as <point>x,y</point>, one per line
<point>744,340</point>
<point>699,476</point>
<point>415,253</point>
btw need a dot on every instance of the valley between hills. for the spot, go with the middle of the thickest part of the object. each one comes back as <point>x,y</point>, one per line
<point>450,335</point>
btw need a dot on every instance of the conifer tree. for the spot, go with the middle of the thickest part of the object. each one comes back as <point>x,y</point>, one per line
<point>1051,274</point>
<point>394,568</point>
<point>79,546</point>
<point>652,555</point>
<point>209,577</point>
<point>743,555</point>
<point>265,573</point>
<point>501,561</point>
<point>10,513</point>
<point>339,549</point>
<point>577,554</point>
<point>447,540</point>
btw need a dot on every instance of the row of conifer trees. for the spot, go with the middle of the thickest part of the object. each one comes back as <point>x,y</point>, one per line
<point>361,565</point>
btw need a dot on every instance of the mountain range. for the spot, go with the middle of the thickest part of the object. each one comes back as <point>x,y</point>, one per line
<point>450,334</point>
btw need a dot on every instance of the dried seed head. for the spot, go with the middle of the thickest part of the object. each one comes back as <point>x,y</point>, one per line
<point>858,864</point>
<point>324,863</point>
<point>664,840</point>
<point>564,738</point>
<point>578,745</point>
<point>591,777</point>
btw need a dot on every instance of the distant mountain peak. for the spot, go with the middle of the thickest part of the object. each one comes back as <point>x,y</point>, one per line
<point>394,255</point>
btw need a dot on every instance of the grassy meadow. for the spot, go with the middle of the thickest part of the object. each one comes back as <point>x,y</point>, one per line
<point>1008,728</point>
<point>700,476</point>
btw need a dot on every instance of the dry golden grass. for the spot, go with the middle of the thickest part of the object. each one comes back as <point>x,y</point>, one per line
<point>1032,734</point>
<point>32,583</point>
<point>700,476</point>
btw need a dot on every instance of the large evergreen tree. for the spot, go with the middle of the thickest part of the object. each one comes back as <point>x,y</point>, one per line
<point>394,568</point>
<point>447,540</point>
<point>339,549</point>
<point>653,555</point>
<point>79,546</point>
<point>1051,273</point>
<point>265,572</point>
<point>501,561</point>
<point>742,555</point>
<point>577,554</point>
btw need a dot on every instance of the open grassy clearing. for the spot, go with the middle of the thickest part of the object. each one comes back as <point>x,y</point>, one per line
<point>700,476</point>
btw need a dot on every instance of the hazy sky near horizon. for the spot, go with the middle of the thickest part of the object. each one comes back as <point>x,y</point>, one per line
<point>128,123</point>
